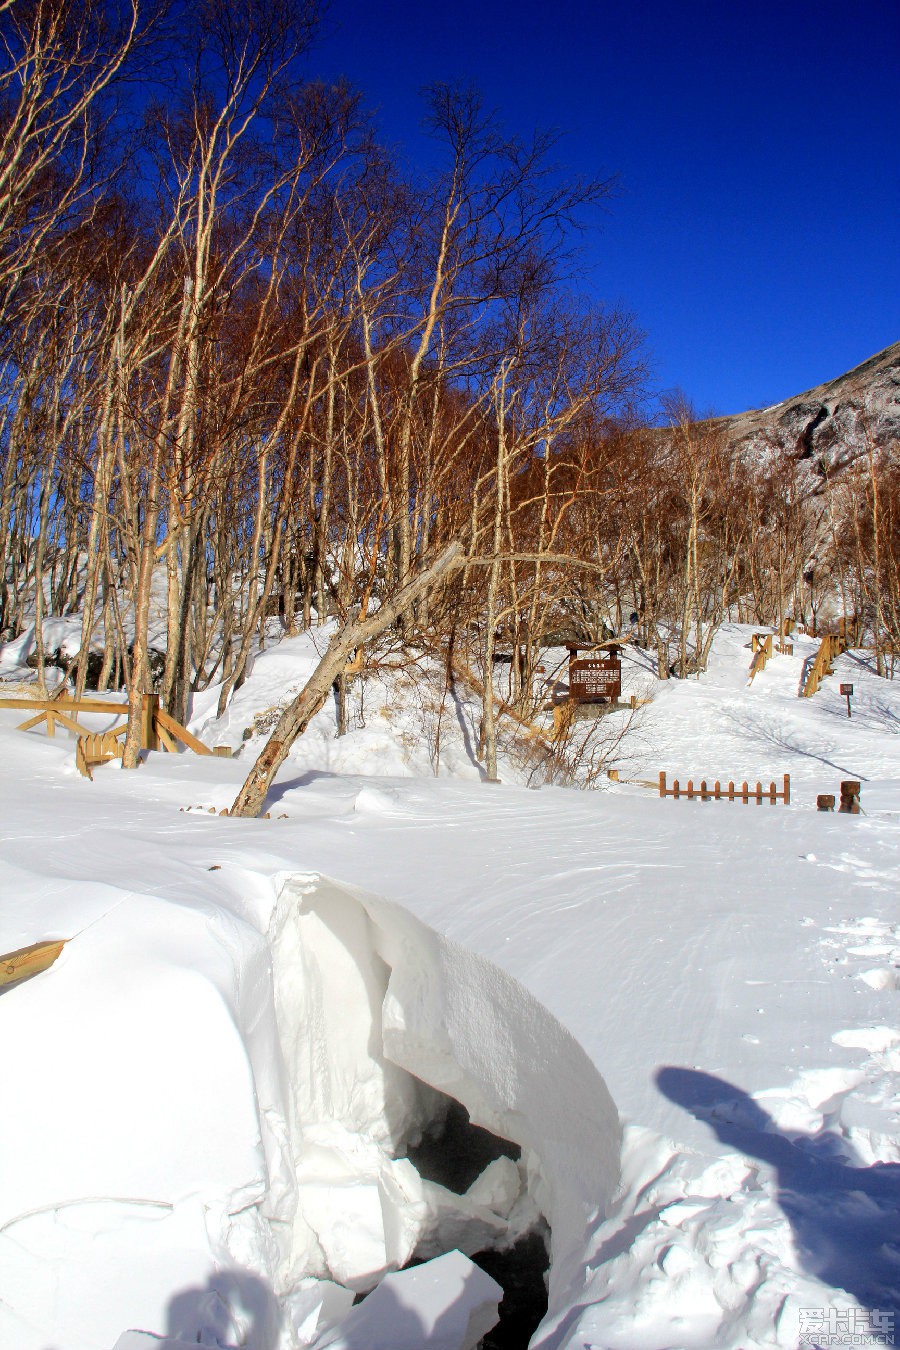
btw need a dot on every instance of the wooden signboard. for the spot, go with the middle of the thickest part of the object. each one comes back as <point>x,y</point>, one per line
<point>595,679</point>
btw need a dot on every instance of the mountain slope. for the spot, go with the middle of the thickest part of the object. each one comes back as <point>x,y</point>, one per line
<point>832,424</point>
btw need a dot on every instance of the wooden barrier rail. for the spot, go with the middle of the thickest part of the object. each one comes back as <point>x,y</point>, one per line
<point>762,650</point>
<point>830,648</point>
<point>745,793</point>
<point>158,729</point>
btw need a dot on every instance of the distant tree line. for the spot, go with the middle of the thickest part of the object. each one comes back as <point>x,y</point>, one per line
<point>250,366</point>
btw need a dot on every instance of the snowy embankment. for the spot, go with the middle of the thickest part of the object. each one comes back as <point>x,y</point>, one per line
<point>186,1150</point>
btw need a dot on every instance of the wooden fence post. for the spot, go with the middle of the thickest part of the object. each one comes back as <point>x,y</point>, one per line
<point>149,734</point>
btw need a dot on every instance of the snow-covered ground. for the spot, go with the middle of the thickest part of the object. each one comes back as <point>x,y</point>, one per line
<point>208,1096</point>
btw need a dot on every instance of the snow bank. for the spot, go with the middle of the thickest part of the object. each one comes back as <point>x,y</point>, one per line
<point>732,972</point>
<point>207,1132</point>
<point>375,1010</point>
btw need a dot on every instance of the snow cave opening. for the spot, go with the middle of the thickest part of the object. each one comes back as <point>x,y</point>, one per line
<point>432,1104</point>
<point>454,1153</point>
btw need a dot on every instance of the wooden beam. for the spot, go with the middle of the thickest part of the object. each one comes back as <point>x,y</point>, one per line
<point>94,705</point>
<point>32,722</point>
<point>168,742</point>
<point>181,733</point>
<point>28,961</point>
<point>81,763</point>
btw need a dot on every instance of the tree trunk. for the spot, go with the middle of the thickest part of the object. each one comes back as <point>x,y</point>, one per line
<point>298,715</point>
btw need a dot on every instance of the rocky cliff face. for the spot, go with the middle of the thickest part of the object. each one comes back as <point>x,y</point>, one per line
<point>831,425</point>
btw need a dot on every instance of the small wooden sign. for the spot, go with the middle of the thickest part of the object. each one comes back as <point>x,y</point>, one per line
<point>595,679</point>
<point>847,690</point>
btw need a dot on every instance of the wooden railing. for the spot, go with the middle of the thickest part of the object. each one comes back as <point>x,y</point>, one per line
<point>762,650</point>
<point>830,648</point>
<point>745,793</point>
<point>159,731</point>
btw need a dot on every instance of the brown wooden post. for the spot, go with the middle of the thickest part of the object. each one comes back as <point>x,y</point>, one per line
<point>787,789</point>
<point>718,790</point>
<point>149,734</point>
<point>825,801</point>
<point>731,791</point>
<point>773,795</point>
<point>704,795</point>
<point>690,789</point>
<point>675,793</point>
<point>28,961</point>
<point>745,792</point>
<point>662,785</point>
<point>759,793</point>
<point>850,790</point>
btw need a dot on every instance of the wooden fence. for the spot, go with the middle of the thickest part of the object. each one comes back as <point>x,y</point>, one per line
<point>762,650</point>
<point>159,731</point>
<point>762,645</point>
<point>830,648</point>
<point>717,793</point>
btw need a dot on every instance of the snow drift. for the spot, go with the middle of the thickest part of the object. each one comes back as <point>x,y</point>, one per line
<point>234,1128</point>
<point>376,1012</point>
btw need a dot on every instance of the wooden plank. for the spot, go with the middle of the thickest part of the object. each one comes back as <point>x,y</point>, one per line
<point>33,721</point>
<point>28,961</point>
<point>94,705</point>
<point>81,763</point>
<point>162,719</point>
<point>757,664</point>
<point>167,740</point>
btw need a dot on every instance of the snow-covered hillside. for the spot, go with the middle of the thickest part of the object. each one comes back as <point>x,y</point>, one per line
<point>832,424</point>
<point>684,1015</point>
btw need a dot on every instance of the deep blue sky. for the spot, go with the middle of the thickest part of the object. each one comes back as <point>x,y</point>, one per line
<point>756,231</point>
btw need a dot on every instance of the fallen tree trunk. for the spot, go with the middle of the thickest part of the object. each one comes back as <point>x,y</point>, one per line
<point>298,715</point>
